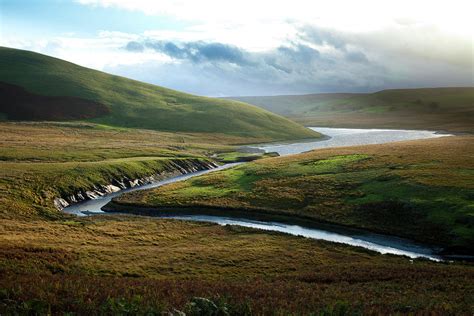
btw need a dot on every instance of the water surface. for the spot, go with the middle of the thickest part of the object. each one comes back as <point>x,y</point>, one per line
<point>340,137</point>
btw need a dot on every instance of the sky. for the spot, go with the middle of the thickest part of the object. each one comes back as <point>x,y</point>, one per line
<point>250,47</point>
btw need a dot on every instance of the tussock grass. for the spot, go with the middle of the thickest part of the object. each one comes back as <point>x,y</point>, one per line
<point>88,264</point>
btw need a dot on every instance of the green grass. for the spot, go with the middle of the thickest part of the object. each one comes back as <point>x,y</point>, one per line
<point>137,104</point>
<point>236,156</point>
<point>410,189</point>
<point>42,161</point>
<point>431,108</point>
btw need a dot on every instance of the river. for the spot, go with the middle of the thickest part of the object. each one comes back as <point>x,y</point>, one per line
<point>334,137</point>
<point>340,137</point>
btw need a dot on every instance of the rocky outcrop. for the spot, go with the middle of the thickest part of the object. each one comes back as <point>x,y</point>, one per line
<point>174,168</point>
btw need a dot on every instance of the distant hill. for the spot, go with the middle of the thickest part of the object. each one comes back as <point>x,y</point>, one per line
<point>38,87</point>
<point>432,108</point>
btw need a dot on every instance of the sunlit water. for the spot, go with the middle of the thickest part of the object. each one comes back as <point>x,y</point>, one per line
<point>335,137</point>
<point>340,137</point>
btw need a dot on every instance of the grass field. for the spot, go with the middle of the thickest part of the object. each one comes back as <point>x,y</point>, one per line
<point>450,109</point>
<point>41,161</point>
<point>422,190</point>
<point>131,103</point>
<point>120,265</point>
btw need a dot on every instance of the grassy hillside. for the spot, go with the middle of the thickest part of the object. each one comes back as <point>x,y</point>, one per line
<point>293,105</point>
<point>420,189</point>
<point>135,104</point>
<point>431,108</point>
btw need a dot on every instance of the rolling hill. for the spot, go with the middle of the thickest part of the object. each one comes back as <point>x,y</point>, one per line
<point>431,108</point>
<point>39,87</point>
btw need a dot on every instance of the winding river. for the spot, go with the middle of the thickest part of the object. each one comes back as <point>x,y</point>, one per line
<point>335,137</point>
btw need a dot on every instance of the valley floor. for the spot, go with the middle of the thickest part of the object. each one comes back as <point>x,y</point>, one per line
<point>54,263</point>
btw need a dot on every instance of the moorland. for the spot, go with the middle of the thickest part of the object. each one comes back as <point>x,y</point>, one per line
<point>55,263</point>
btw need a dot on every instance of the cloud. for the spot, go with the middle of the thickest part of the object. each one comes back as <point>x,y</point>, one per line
<point>323,36</point>
<point>316,60</point>
<point>361,15</point>
<point>193,51</point>
<point>134,47</point>
<point>218,69</point>
<point>357,57</point>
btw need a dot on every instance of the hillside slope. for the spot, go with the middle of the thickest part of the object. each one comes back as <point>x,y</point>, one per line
<point>131,103</point>
<point>432,108</point>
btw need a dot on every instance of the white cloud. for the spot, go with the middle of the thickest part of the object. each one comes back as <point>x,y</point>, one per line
<point>362,15</point>
<point>104,50</point>
<point>431,29</point>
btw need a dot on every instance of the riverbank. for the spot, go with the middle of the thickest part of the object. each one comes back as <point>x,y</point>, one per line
<point>418,190</point>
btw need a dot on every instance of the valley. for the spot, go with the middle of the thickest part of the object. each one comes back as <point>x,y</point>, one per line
<point>220,207</point>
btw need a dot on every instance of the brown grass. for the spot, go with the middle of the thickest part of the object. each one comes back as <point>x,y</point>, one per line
<point>80,265</point>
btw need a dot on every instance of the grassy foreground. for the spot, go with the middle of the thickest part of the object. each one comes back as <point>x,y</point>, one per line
<point>422,190</point>
<point>127,103</point>
<point>450,109</point>
<point>120,265</point>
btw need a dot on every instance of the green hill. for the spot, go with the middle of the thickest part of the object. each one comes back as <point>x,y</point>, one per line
<point>39,87</point>
<point>434,108</point>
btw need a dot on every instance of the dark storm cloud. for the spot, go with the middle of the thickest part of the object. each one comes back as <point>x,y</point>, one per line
<point>282,58</point>
<point>357,57</point>
<point>299,53</point>
<point>193,51</point>
<point>134,47</point>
